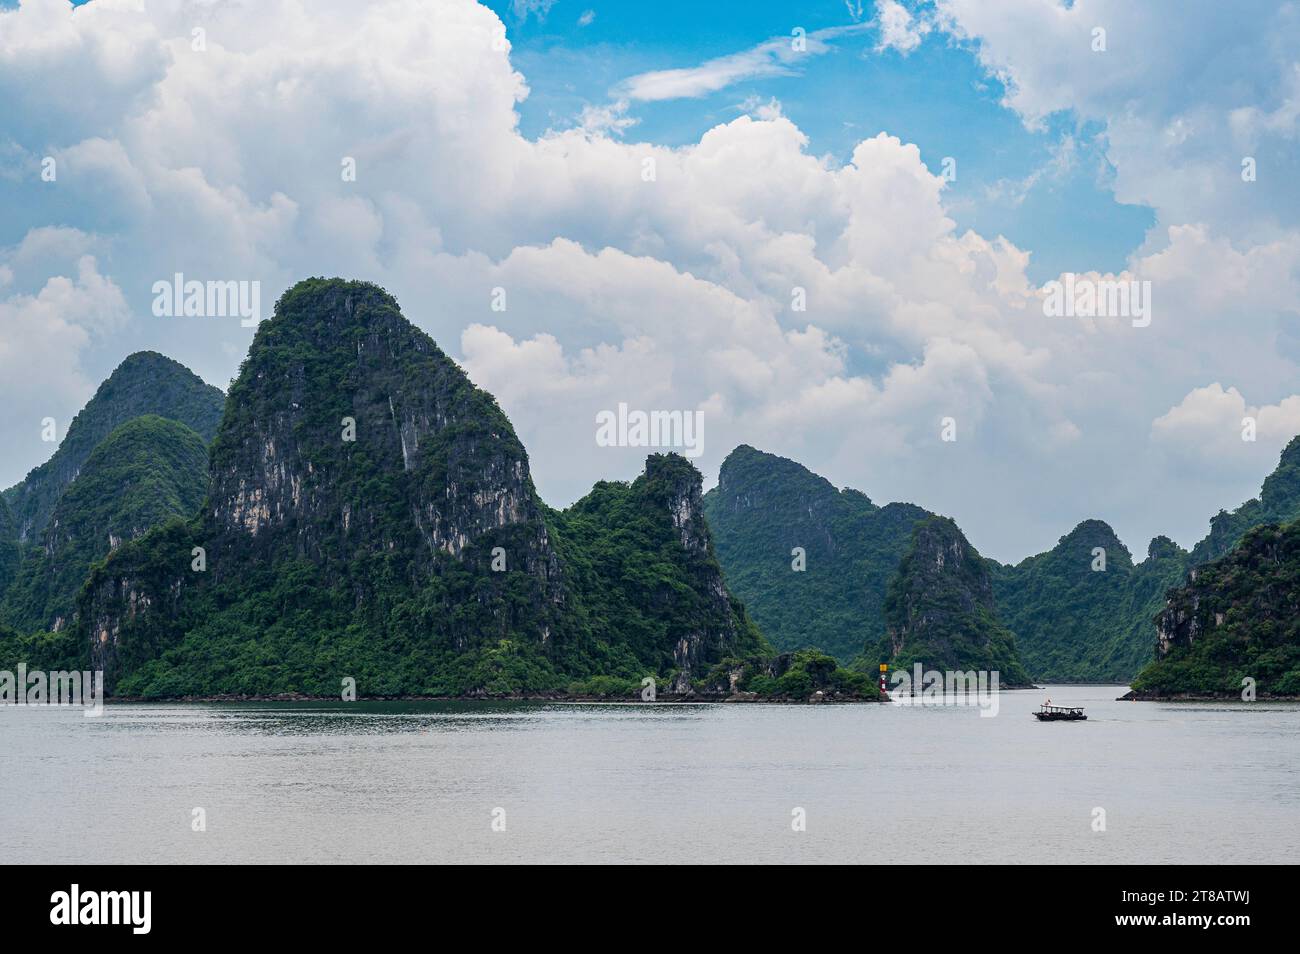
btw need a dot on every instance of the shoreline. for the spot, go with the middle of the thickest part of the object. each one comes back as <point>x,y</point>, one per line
<point>1134,696</point>
<point>693,698</point>
<point>662,699</point>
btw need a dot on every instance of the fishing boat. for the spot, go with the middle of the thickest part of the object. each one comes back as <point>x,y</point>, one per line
<point>1048,713</point>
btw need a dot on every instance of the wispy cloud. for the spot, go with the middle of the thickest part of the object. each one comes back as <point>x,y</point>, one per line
<point>537,8</point>
<point>611,119</point>
<point>1063,157</point>
<point>778,56</point>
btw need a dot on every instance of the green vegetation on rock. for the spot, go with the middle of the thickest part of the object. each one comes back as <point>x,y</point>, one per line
<point>1277,503</point>
<point>146,471</point>
<point>765,506</point>
<point>144,383</point>
<point>1076,624</point>
<point>10,553</point>
<point>940,609</point>
<point>1235,619</point>
<point>802,674</point>
<point>1076,621</point>
<point>370,516</point>
<point>365,512</point>
<point>637,567</point>
<point>1072,623</point>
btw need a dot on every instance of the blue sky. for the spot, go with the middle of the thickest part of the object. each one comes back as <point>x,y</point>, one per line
<point>937,96</point>
<point>481,167</point>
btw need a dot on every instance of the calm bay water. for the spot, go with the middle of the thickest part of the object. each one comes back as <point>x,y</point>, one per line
<point>418,782</point>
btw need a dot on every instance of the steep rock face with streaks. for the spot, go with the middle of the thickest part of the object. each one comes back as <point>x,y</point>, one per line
<point>349,432</point>
<point>361,489</point>
<point>370,517</point>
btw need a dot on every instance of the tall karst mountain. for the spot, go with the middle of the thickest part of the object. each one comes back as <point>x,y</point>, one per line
<point>1082,611</point>
<point>765,507</point>
<point>366,512</point>
<point>940,609</point>
<point>878,584</point>
<point>146,471</point>
<point>131,459</point>
<point>144,383</point>
<point>1235,624</point>
<point>370,515</point>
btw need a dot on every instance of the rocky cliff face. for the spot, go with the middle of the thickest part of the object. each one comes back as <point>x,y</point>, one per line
<point>350,431</point>
<point>1252,586</point>
<point>144,383</point>
<point>681,489</point>
<point>1234,619</point>
<point>940,609</point>
<point>370,516</point>
<point>720,628</point>
<point>830,594</point>
<point>358,454</point>
<point>646,575</point>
